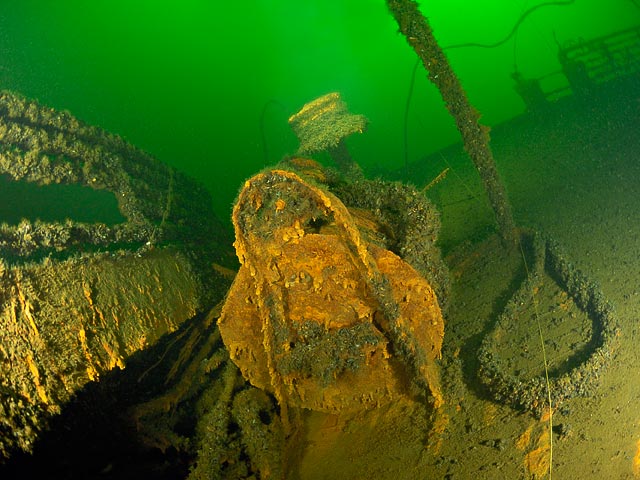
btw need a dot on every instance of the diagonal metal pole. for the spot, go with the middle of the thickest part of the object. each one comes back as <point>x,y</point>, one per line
<point>475,137</point>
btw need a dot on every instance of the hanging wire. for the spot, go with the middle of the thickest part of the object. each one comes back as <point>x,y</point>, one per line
<point>513,31</point>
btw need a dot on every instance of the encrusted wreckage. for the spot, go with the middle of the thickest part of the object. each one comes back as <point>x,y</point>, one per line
<point>336,307</point>
<point>321,314</point>
<point>77,299</point>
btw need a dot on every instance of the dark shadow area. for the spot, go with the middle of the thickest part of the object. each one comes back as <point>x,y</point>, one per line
<point>95,436</point>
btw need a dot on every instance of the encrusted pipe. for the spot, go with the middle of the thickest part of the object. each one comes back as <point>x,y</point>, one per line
<point>475,137</point>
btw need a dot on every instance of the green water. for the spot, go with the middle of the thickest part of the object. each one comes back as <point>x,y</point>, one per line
<point>190,81</point>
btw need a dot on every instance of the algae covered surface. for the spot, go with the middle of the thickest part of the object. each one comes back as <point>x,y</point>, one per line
<point>113,356</point>
<point>572,174</point>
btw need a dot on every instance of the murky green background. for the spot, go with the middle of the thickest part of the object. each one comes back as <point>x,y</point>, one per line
<point>189,81</point>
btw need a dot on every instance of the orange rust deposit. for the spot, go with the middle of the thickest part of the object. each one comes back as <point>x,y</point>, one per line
<point>316,314</point>
<point>280,204</point>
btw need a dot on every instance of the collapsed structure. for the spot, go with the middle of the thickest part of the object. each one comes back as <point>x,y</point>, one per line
<point>77,299</point>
